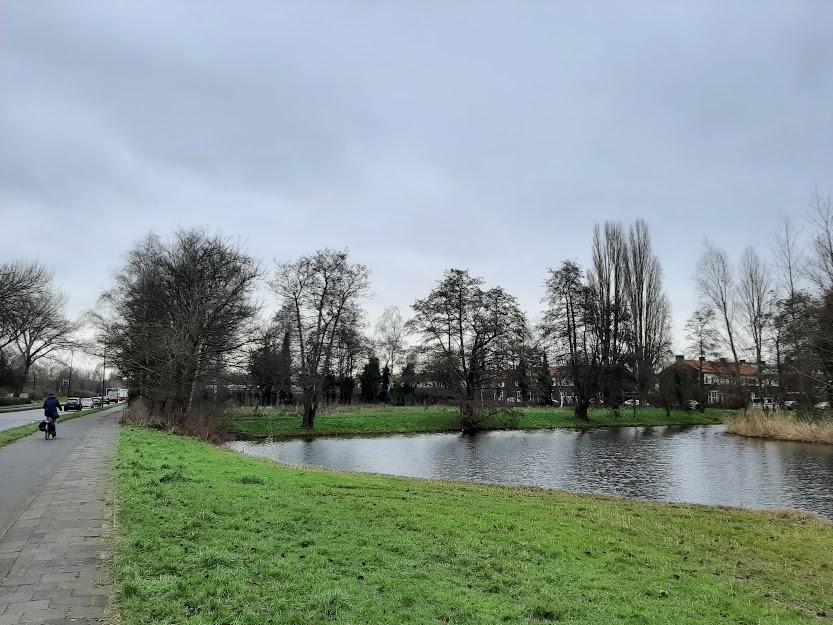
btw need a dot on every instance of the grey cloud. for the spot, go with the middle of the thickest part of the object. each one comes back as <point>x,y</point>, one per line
<point>422,135</point>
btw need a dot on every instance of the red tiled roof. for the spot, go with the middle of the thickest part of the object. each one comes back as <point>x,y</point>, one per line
<point>722,368</point>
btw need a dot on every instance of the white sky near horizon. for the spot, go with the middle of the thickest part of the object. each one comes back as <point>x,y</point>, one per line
<point>421,135</point>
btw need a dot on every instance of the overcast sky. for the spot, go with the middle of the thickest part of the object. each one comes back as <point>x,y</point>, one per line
<point>421,135</point>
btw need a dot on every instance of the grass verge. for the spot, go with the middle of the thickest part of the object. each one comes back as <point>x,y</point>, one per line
<point>208,536</point>
<point>372,420</point>
<point>782,426</point>
<point>21,431</point>
<point>29,406</point>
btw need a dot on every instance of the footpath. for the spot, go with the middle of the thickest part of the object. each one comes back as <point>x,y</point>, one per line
<point>56,523</point>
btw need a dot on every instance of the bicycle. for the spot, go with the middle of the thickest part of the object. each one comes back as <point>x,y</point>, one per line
<point>47,426</point>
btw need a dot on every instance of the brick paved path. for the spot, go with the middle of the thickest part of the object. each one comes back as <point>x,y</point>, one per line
<point>54,556</point>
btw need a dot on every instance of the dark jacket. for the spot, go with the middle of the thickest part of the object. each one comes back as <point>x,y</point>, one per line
<point>51,406</point>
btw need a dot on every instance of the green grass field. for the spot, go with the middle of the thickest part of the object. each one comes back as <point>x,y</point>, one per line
<point>371,420</point>
<point>209,536</point>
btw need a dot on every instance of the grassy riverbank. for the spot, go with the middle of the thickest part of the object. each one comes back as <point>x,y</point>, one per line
<point>782,426</point>
<point>372,420</point>
<point>207,536</point>
<point>21,431</point>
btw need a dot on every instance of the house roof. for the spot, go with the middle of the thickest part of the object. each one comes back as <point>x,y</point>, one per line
<point>721,368</point>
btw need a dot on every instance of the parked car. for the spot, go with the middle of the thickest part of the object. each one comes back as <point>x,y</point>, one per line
<point>87,402</point>
<point>791,404</point>
<point>72,403</point>
<point>631,403</point>
<point>96,401</point>
<point>823,405</point>
<point>693,404</point>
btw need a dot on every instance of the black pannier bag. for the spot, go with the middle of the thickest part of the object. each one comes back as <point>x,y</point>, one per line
<point>42,426</point>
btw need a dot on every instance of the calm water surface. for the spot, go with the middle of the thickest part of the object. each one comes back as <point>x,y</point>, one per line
<point>700,464</point>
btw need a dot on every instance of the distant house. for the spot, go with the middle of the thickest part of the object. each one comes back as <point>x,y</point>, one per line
<point>718,377</point>
<point>563,387</point>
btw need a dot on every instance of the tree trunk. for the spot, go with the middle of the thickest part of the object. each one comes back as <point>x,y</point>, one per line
<point>581,410</point>
<point>24,379</point>
<point>701,391</point>
<point>309,416</point>
<point>741,396</point>
<point>310,408</point>
<point>643,383</point>
<point>760,375</point>
<point>469,418</point>
<point>191,393</point>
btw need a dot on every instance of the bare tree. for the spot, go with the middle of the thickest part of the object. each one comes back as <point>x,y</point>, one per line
<point>788,328</point>
<point>390,335</point>
<point>820,266</point>
<point>568,325</point>
<point>789,259</point>
<point>703,341</point>
<point>20,281</point>
<point>320,290</point>
<point>180,313</point>
<point>42,327</point>
<point>350,345</point>
<point>473,331</point>
<point>606,280</point>
<point>703,338</point>
<point>650,311</point>
<point>716,284</point>
<point>33,319</point>
<point>754,304</point>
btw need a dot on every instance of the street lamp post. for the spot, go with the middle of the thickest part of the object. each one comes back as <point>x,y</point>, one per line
<point>71,362</point>
<point>103,372</point>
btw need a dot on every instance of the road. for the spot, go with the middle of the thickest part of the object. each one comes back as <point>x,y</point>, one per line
<point>22,417</point>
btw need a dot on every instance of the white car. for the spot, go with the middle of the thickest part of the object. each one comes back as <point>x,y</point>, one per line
<point>86,402</point>
<point>823,405</point>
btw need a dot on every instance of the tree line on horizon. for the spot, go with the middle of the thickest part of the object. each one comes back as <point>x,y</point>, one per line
<point>181,322</point>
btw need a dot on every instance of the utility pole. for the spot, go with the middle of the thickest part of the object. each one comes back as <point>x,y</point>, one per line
<point>103,371</point>
<point>71,361</point>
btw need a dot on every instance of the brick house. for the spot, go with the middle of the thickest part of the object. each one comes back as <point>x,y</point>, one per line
<point>718,379</point>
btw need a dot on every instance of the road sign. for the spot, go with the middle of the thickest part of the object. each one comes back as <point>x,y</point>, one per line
<point>66,382</point>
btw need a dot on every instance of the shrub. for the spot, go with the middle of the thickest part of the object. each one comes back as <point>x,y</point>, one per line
<point>14,401</point>
<point>203,422</point>
<point>474,416</point>
<point>781,425</point>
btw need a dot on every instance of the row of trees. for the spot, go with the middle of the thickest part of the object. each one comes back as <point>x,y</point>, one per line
<point>777,313</point>
<point>610,325</point>
<point>181,322</point>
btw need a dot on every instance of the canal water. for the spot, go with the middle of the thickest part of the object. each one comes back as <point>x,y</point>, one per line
<point>699,464</point>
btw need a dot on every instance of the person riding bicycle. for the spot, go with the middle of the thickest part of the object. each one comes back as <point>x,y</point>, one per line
<point>51,406</point>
